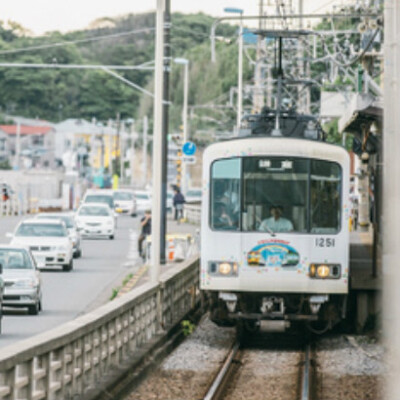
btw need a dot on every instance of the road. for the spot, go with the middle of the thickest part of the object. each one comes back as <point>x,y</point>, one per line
<point>66,295</point>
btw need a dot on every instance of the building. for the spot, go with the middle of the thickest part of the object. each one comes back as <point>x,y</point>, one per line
<point>32,145</point>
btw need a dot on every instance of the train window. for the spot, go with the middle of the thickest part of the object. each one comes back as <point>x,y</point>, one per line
<point>225,194</point>
<point>325,189</point>
<point>275,194</point>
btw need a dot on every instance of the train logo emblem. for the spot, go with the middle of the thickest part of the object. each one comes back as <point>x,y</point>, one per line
<point>273,255</point>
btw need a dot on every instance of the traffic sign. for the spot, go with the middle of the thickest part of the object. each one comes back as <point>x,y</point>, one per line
<point>189,159</point>
<point>189,148</point>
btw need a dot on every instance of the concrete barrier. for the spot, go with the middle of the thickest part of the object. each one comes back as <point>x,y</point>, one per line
<point>79,359</point>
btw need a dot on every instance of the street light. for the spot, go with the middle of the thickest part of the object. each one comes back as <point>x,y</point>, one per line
<point>185,63</point>
<point>240,66</point>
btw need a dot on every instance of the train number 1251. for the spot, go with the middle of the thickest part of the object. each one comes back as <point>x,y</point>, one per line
<point>324,242</point>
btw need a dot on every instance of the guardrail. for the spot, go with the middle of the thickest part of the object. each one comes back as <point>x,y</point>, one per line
<point>193,213</point>
<point>14,206</point>
<point>11,206</point>
<point>83,357</point>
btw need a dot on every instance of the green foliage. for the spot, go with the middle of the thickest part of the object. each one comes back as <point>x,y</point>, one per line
<point>114,292</point>
<point>334,136</point>
<point>127,279</point>
<point>5,164</point>
<point>56,94</point>
<point>187,327</point>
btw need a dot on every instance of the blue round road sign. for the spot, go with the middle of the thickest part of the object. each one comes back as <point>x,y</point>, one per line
<point>189,148</point>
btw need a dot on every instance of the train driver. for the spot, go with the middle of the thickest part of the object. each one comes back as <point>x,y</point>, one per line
<point>276,223</point>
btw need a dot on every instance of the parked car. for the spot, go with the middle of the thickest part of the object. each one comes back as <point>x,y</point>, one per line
<point>125,202</point>
<point>95,220</point>
<point>22,281</point>
<point>47,240</point>
<point>193,195</point>
<point>143,200</point>
<point>69,221</point>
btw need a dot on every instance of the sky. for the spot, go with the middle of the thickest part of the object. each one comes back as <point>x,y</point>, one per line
<point>40,16</point>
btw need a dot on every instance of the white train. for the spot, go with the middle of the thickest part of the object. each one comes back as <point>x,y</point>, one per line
<point>274,231</point>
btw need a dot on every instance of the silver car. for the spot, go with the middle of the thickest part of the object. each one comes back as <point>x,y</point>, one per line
<point>22,281</point>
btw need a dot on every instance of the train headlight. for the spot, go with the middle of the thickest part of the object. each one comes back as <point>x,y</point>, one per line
<point>223,268</point>
<point>325,271</point>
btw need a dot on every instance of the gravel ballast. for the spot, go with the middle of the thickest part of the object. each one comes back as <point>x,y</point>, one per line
<point>350,368</point>
<point>188,371</point>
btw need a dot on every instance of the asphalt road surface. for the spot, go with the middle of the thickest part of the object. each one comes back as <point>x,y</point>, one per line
<point>66,295</point>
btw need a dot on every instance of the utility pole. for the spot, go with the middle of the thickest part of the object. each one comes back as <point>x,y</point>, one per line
<point>121,153</point>
<point>300,61</point>
<point>144,150</point>
<point>18,145</point>
<point>391,196</point>
<point>164,143</point>
<point>240,76</point>
<point>118,144</point>
<point>157,143</point>
<point>132,160</point>
<point>110,148</point>
<point>258,98</point>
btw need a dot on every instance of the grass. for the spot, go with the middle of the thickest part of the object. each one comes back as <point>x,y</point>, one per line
<point>115,291</point>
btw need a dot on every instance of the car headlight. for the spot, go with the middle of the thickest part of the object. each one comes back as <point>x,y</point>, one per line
<point>26,283</point>
<point>223,268</point>
<point>325,271</point>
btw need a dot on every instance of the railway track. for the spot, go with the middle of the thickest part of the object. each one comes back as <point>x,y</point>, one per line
<point>223,386</point>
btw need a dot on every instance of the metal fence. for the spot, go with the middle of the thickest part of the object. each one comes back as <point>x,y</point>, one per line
<point>74,360</point>
<point>193,213</point>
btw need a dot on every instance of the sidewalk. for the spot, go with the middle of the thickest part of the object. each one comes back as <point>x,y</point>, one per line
<point>173,227</point>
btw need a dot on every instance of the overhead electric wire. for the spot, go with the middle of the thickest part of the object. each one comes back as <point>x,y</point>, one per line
<point>77,41</point>
<point>357,58</point>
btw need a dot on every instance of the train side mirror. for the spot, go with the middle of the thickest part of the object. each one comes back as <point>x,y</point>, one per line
<point>1,269</point>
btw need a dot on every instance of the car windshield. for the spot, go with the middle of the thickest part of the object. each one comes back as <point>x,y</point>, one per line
<point>15,259</point>
<point>68,221</point>
<point>94,211</point>
<point>123,196</point>
<point>41,229</point>
<point>100,198</point>
<point>194,193</point>
<point>142,196</point>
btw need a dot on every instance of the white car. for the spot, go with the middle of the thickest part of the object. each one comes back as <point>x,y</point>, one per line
<point>47,240</point>
<point>193,195</point>
<point>125,202</point>
<point>95,220</point>
<point>22,281</point>
<point>69,221</point>
<point>99,196</point>
<point>143,200</point>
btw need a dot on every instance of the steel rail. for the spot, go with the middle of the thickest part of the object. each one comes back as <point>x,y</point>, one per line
<point>306,375</point>
<point>220,381</point>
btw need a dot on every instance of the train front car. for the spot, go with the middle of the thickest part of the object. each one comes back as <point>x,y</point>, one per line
<point>275,237</point>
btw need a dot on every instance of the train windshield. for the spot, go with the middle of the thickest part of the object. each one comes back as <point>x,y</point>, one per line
<point>276,194</point>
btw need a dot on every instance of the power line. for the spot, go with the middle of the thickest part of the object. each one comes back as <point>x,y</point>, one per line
<point>68,42</point>
<point>324,5</point>
<point>76,66</point>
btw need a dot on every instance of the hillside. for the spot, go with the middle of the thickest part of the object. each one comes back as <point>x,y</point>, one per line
<point>128,40</point>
